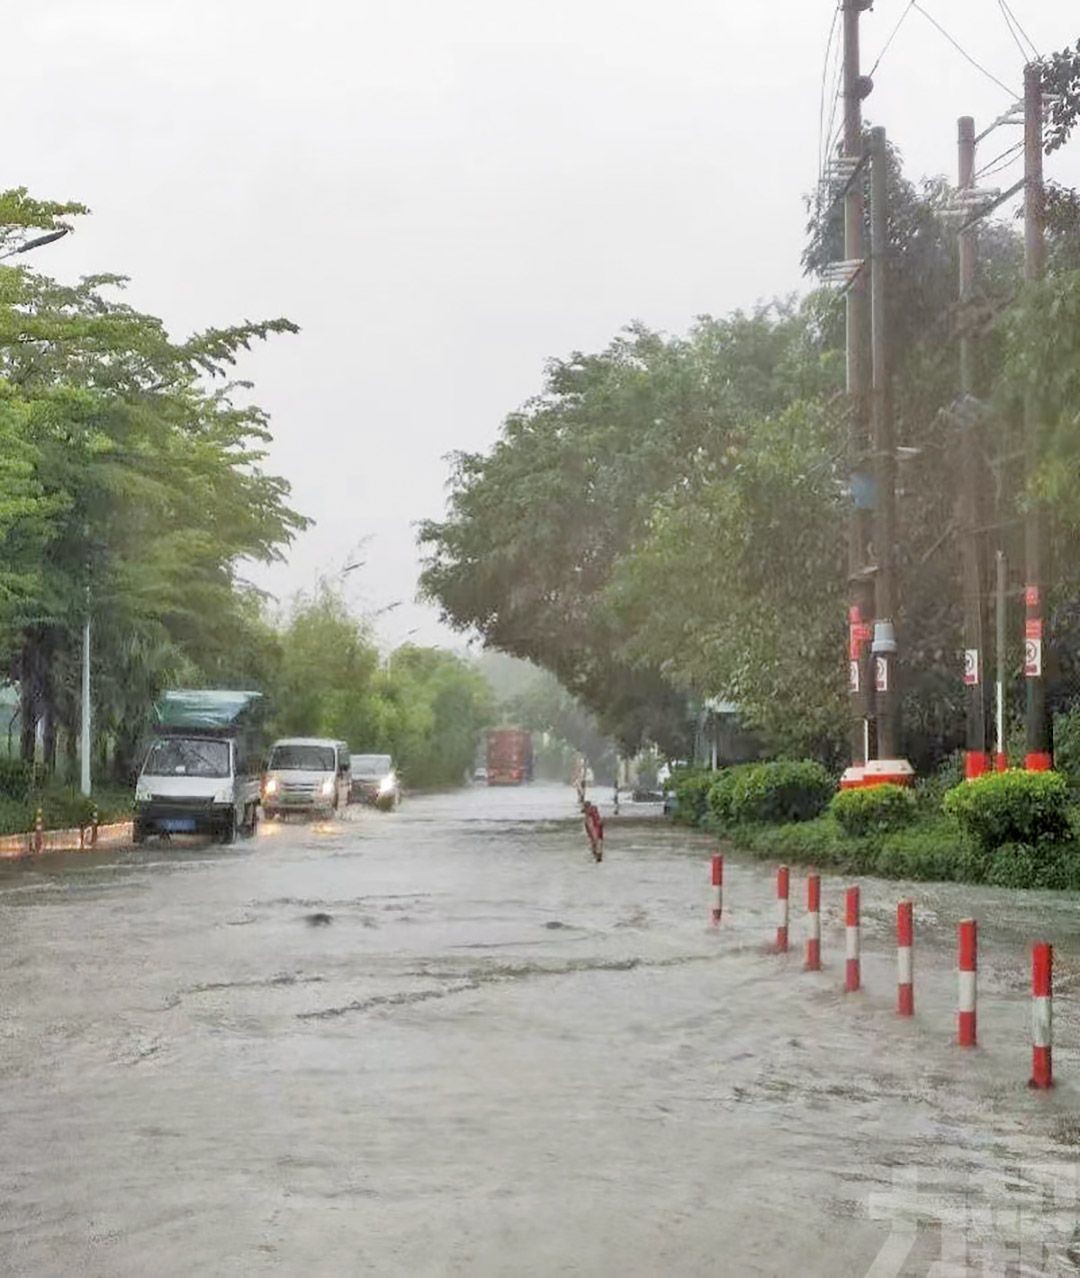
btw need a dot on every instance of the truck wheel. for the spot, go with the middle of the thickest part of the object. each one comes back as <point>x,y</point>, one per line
<point>228,830</point>
<point>253,823</point>
<point>138,833</point>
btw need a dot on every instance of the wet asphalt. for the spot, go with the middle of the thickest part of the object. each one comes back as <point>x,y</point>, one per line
<point>443,1041</point>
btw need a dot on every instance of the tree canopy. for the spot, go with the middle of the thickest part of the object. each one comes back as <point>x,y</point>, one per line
<point>132,490</point>
<point>666,519</point>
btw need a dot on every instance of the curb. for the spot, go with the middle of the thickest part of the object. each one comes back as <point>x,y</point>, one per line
<point>16,847</point>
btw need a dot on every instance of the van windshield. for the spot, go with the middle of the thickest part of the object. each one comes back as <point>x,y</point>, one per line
<point>187,757</point>
<point>302,758</point>
<point>370,765</point>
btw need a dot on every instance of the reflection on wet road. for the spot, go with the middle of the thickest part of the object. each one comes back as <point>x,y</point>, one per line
<point>444,1041</point>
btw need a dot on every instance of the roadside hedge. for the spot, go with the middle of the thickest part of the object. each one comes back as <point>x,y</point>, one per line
<point>722,791</point>
<point>691,788</point>
<point>779,792</point>
<point>1024,808</point>
<point>1013,830</point>
<point>879,808</point>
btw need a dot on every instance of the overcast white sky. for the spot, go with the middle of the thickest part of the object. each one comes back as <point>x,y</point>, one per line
<point>445,194</point>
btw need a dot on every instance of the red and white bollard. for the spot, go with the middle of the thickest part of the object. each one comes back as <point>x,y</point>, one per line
<point>783,887</point>
<point>852,975</point>
<point>1042,1014</point>
<point>813,922</point>
<point>717,889</point>
<point>967,945</point>
<point>905,952</point>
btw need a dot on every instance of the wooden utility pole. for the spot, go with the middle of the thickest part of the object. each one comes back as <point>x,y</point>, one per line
<point>861,592</point>
<point>884,647</point>
<point>973,540</point>
<point>1039,756</point>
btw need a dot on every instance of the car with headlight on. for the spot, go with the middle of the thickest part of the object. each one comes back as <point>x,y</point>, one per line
<point>306,774</point>
<point>375,781</point>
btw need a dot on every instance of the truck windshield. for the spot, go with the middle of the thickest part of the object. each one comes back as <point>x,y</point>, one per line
<point>370,765</point>
<point>187,757</point>
<point>302,758</point>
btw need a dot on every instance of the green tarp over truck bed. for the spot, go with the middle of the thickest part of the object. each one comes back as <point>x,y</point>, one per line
<point>210,710</point>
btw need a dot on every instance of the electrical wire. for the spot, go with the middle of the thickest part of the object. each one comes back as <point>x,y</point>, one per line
<point>1000,161</point>
<point>1012,30</point>
<point>824,83</point>
<point>1008,11</point>
<point>962,51</point>
<point>834,129</point>
<point>892,37</point>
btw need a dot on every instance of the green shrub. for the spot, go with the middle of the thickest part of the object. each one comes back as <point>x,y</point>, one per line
<point>818,842</point>
<point>928,853</point>
<point>691,789</point>
<point>722,791</point>
<point>1029,808</point>
<point>1035,865</point>
<point>779,792</point>
<point>18,778</point>
<point>1013,865</point>
<point>1067,747</point>
<point>875,809</point>
<point>931,790</point>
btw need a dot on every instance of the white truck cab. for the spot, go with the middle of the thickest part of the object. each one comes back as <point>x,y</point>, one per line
<point>306,774</point>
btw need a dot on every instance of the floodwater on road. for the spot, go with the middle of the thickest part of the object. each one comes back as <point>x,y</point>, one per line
<point>443,1041</point>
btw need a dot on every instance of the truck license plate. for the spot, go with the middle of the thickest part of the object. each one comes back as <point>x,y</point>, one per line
<point>178,825</point>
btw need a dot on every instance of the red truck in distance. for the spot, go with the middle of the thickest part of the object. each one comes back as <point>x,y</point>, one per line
<point>509,756</point>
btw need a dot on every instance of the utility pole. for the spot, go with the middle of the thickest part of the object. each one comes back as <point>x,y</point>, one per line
<point>884,647</point>
<point>1001,760</point>
<point>972,546</point>
<point>861,591</point>
<point>1039,756</point>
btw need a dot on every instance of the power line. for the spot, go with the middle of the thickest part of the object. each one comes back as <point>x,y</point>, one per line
<point>824,82</point>
<point>962,51</point>
<point>892,37</point>
<point>1001,161</point>
<point>1007,9</point>
<point>834,127</point>
<point>1012,30</point>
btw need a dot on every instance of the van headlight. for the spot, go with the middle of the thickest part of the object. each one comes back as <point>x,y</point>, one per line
<point>142,793</point>
<point>386,784</point>
<point>328,788</point>
<point>271,786</point>
<point>224,795</point>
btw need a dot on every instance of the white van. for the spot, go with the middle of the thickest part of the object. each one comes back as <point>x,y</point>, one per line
<point>306,774</point>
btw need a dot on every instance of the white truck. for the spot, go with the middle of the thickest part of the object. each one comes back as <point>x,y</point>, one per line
<point>202,770</point>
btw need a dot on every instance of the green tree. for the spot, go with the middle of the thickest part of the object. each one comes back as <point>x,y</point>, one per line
<point>424,706</point>
<point>128,486</point>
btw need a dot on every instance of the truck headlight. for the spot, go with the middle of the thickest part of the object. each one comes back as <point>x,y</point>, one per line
<point>142,793</point>
<point>328,788</point>
<point>271,786</point>
<point>386,784</point>
<point>224,795</point>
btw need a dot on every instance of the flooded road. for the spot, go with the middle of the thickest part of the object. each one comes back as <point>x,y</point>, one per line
<point>444,1042</point>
